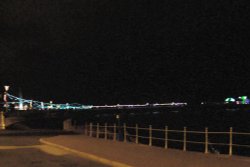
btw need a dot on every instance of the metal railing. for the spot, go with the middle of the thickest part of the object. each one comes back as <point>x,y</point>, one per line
<point>138,135</point>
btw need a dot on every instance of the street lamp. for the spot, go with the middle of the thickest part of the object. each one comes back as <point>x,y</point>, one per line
<point>2,118</point>
<point>6,88</point>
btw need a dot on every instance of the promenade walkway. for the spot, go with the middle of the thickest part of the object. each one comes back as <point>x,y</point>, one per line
<point>115,153</point>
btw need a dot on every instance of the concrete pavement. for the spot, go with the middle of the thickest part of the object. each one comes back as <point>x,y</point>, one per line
<point>27,151</point>
<point>114,153</point>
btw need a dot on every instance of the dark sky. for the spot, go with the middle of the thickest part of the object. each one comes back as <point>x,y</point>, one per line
<point>125,51</point>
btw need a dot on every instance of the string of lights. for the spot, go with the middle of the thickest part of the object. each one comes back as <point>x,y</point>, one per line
<point>24,104</point>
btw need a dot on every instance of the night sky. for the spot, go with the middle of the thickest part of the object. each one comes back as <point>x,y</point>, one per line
<point>125,51</point>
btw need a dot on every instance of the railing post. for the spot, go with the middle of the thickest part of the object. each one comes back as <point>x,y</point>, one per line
<point>185,139</point>
<point>125,133</point>
<point>75,125</point>
<point>90,129</point>
<point>206,140</point>
<point>231,141</point>
<point>150,135</point>
<point>105,131</point>
<point>136,133</point>
<point>166,137</point>
<point>114,137</point>
<point>86,128</point>
<point>97,130</point>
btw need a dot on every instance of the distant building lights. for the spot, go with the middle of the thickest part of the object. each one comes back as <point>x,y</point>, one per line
<point>240,100</point>
<point>244,100</point>
<point>229,100</point>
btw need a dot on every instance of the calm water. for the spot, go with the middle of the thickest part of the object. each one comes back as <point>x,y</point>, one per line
<point>215,117</point>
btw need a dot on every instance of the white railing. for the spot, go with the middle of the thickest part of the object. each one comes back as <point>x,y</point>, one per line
<point>136,134</point>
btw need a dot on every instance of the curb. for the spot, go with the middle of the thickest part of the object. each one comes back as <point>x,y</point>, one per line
<point>87,155</point>
<point>34,132</point>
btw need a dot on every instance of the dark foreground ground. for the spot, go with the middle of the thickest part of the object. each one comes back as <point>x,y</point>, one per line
<point>138,155</point>
<point>72,151</point>
<point>27,151</point>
